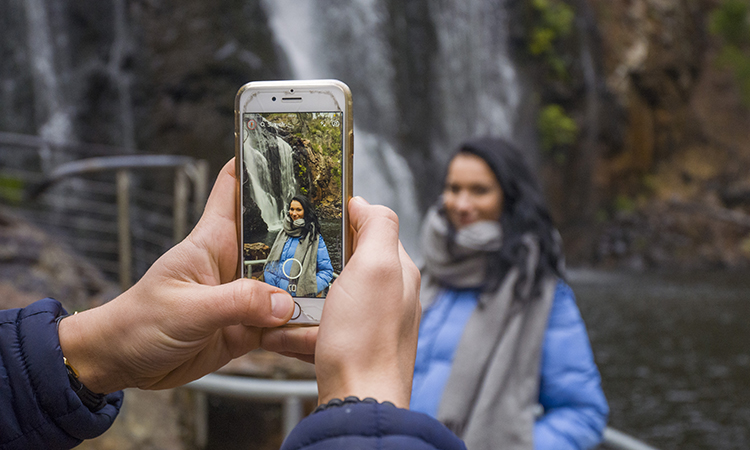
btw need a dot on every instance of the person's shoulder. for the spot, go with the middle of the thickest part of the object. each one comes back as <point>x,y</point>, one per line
<point>564,308</point>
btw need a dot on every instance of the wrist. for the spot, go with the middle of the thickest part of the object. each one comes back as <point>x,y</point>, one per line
<point>382,387</point>
<point>88,349</point>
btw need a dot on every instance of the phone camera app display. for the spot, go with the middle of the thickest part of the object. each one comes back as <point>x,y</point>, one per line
<point>292,200</point>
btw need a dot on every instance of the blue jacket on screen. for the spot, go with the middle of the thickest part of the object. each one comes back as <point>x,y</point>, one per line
<point>371,426</point>
<point>574,407</point>
<point>324,273</point>
<point>38,408</point>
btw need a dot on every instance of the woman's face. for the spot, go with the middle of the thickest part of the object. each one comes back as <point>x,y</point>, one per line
<point>472,193</point>
<point>296,211</point>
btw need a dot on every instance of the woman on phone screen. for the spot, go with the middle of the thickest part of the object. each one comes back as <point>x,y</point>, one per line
<point>503,357</point>
<point>298,261</point>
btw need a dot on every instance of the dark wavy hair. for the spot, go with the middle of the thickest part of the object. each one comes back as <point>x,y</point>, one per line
<point>524,211</point>
<point>312,225</point>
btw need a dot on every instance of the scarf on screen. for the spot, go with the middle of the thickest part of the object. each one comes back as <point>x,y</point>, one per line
<point>492,392</point>
<point>302,277</point>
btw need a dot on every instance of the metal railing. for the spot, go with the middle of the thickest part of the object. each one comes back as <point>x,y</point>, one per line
<point>292,393</point>
<point>119,210</point>
<point>186,169</point>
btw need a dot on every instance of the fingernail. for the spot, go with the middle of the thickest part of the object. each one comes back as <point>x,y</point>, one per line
<point>360,200</point>
<point>281,305</point>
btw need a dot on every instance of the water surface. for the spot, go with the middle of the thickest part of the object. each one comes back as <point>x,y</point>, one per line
<point>674,353</point>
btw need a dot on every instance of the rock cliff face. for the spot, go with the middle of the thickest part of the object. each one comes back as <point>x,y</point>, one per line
<point>658,120</point>
<point>34,266</point>
<point>675,189</point>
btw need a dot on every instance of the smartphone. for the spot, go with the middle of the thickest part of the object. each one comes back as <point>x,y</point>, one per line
<point>294,162</point>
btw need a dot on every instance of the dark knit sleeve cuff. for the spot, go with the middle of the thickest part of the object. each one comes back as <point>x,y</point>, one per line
<point>367,424</point>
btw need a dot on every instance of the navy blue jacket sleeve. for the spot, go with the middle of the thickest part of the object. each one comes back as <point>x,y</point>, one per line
<point>371,425</point>
<point>38,408</point>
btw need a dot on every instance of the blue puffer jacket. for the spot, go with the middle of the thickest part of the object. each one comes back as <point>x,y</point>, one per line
<point>38,409</point>
<point>324,273</point>
<point>570,393</point>
<point>370,426</point>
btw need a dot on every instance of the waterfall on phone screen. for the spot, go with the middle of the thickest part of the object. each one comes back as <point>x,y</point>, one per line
<point>268,163</point>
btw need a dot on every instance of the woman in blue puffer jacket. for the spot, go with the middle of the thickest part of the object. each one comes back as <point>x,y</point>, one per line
<point>298,261</point>
<point>503,353</point>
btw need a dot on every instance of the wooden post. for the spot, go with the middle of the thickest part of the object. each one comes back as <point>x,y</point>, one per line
<point>123,228</point>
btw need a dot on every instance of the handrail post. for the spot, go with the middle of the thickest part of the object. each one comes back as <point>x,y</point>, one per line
<point>180,203</point>
<point>123,228</point>
<point>199,172</point>
<point>291,413</point>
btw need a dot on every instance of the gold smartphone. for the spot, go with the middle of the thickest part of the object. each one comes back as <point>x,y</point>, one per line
<point>294,157</point>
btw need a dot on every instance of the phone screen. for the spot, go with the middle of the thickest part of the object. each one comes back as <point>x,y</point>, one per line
<point>292,192</point>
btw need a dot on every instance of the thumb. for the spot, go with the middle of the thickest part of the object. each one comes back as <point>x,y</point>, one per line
<point>246,302</point>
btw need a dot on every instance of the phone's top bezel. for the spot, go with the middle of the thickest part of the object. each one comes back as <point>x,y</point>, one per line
<point>316,96</point>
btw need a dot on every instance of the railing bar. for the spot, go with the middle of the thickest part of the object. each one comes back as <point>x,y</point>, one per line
<point>620,441</point>
<point>25,175</point>
<point>94,245</point>
<point>149,196</point>
<point>34,142</point>
<point>245,387</point>
<point>86,206</point>
<point>150,219</point>
<point>153,238</point>
<point>87,224</point>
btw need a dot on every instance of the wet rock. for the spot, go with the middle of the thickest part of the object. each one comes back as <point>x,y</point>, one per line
<point>257,250</point>
<point>34,265</point>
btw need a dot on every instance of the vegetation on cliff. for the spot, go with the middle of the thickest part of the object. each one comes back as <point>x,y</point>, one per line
<point>731,23</point>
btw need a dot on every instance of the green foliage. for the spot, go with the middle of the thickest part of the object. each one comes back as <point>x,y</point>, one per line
<point>323,134</point>
<point>624,204</point>
<point>11,189</point>
<point>336,173</point>
<point>730,21</point>
<point>551,22</point>
<point>556,130</point>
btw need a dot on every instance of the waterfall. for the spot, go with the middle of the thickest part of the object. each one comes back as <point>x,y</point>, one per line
<point>477,83</point>
<point>119,76</point>
<point>269,168</point>
<point>424,75</point>
<point>51,106</point>
<point>381,175</point>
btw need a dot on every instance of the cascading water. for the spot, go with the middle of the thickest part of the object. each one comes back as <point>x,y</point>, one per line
<point>380,174</point>
<point>51,105</point>
<point>424,77</point>
<point>269,164</point>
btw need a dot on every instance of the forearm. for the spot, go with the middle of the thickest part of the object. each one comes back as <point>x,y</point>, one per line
<point>38,408</point>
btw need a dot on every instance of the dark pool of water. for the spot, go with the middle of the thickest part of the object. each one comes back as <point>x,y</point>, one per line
<point>674,354</point>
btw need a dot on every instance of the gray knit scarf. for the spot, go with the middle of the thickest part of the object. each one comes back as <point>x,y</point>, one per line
<point>493,389</point>
<point>303,278</point>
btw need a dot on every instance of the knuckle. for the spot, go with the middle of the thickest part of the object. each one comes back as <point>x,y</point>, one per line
<point>245,297</point>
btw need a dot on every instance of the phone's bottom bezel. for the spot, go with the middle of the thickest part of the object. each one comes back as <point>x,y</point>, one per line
<point>307,312</point>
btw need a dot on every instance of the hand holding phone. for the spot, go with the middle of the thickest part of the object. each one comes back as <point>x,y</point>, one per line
<point>294,156</point>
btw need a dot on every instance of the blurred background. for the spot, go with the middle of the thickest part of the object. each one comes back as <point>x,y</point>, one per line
<point>635,113</point>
